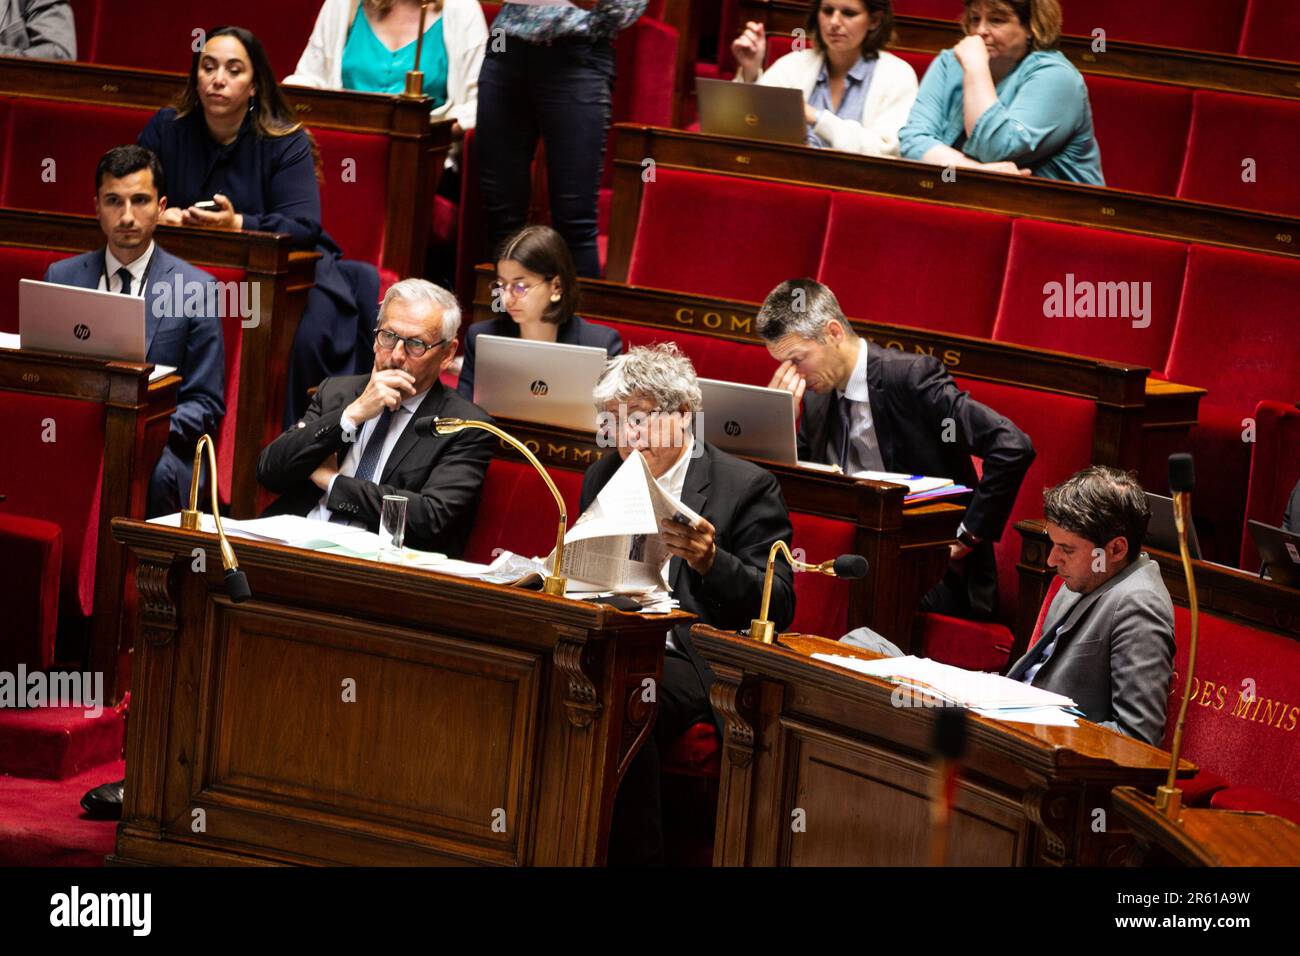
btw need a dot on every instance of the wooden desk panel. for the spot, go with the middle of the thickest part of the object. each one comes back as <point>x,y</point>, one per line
<point>490,725</point>
<point>806,735</point>
<point>137,420</point>
<point>1204,837</point>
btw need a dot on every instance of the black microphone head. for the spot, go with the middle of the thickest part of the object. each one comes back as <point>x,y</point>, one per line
<point>950,732</point>
<point>1182,476</point>
<point>426,427</point>
<point>237,586</point>
<point>850,566</point>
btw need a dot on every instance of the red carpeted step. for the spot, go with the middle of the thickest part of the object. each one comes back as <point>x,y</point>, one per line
<point>55,743</point>
<point>42,823</point>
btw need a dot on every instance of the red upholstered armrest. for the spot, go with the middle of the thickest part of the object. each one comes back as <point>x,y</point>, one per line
<point>31,554</point>
<point>974,645</point>
<point>1260,801</point>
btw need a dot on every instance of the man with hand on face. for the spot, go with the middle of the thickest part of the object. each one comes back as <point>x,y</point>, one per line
<point>355,444</point>
<point>647,400</point>
<point>130,198</point>
<point>876,409</point>
<point>1108,636</point>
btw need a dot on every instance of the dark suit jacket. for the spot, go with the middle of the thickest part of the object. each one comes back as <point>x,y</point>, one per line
<point>576,331</point>
<point>744,504</point>
<point>1114,653</point>
<point>912,398</point>
<point>192,342</point>
<point>1291,517</point>
<point>441,476</point>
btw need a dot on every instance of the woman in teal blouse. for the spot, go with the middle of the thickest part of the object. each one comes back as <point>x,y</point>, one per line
<point>1005,99</point>
<point>369,64</point>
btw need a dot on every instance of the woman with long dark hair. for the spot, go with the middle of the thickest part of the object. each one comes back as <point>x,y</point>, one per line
<point>232,140</point>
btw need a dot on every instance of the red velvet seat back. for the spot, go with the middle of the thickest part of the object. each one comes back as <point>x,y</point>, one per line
<point>1227,130</point>
<point>1274,470</point>
<point>57,480</point>
<point>1213,26</point>
<point>724,236</point>
<point>1044,253</point>
<point>1252,743</point>
<point>712,357</point>
<point>778,45</point>
<point>918,60</point>
<point>283,27</point>
<point>1061,429</point>
<point>517,512</point>
<point>31,558</point>
<point>871,241</point>
<point>821,602</point>
<point>85,14</point>
<point>1272,30</point>
<point>936,9</point>
<point>74,136</point>
<point>232,335</point>
<point>646,67</point>
<point>1142,131</point>
<point>490,11</point>
<point>16,264</point>
<point>352,209</point>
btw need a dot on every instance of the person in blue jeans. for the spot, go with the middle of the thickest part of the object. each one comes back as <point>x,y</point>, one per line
<point>549,71</point>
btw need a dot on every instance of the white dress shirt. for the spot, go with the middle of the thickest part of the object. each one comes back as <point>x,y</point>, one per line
<point>402,417</point>
<point>864,447</point>
<point>136,268</point>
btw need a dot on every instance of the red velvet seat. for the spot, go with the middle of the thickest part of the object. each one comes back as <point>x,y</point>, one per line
<point>57,480</point>
<point>1043,253</point>
<point>723,236</point>
<point>1226,131</point>
<point>232,336</point>
<point>1250,743</point>
<point>1142,130</point>
<point>517,513</point>
<point>283,27</point>
<point>74,136</point>
<point>1236,337</point>
<point>352,209</point>
<point>870,239</point>
<point>1255,800</point>
<point>1214,26</point>
<point>778,45</point>
<point>821,603</point>
<point>1272,30</point>
<point>1061,428</point>
<point>85,15</point>
<point>1274,470</point>
<point>935,9</point>
<point>712,357</point>
<point>31,556</point>
<point>16,264</point>
<point>918,60</point>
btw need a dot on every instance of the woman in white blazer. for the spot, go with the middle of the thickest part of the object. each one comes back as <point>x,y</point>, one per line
<point>856,95</point>
<point>465,35</point>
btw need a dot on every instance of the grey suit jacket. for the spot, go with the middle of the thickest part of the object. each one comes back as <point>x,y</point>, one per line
<point>37,28</point>
<point>1114,654</point>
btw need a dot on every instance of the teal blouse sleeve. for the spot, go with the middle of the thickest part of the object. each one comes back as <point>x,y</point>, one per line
<point>1038,122</point>
<point>927,124</point>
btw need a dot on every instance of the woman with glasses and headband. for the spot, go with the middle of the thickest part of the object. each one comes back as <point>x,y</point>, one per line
<point>537,289</point>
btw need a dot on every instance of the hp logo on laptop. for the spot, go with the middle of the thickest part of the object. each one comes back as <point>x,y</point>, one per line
<point>539,388</point>
<point>81,331</point>
<point>732,428</point>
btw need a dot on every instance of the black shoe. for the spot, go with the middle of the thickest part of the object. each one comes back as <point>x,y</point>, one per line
<point>105,801</point>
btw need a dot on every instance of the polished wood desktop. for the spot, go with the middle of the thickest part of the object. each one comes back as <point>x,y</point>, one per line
<point>137,418</point>
<point>361,713</point>
<point>1205,837</point>
<point>820,767</point>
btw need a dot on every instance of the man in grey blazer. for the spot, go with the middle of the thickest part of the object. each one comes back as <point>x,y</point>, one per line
<point>42,29</point>
<point>1108,635</point>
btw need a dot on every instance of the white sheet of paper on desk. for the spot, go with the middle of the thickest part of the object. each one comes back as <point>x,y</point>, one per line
<point>1044,716</point>
<point>974,689</point>
<point>159,371</point>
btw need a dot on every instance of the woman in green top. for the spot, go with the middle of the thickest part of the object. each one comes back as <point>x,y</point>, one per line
<point>1004,99</point>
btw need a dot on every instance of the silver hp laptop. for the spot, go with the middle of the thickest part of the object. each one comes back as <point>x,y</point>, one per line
<point>543,382</point>
<point>751,111</point>
<point>1162,533</point>
<point>749,420</point>
<point>63,318</point>
<point>1280,551</point>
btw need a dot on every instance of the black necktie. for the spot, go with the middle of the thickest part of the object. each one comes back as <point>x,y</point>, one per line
<point>125,275</point>
<point>370,457</point>
<point>846,420</point>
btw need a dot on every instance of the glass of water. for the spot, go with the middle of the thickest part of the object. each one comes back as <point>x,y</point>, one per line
<point>392,528</point>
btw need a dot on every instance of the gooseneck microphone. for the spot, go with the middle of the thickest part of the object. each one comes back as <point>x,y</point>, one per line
<point>845,566</point>
<point>236,582</point>
<point>1182,477</point>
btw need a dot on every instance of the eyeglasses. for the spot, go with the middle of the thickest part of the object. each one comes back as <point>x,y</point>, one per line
<point>516,289</point>
<point>414,347</point>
